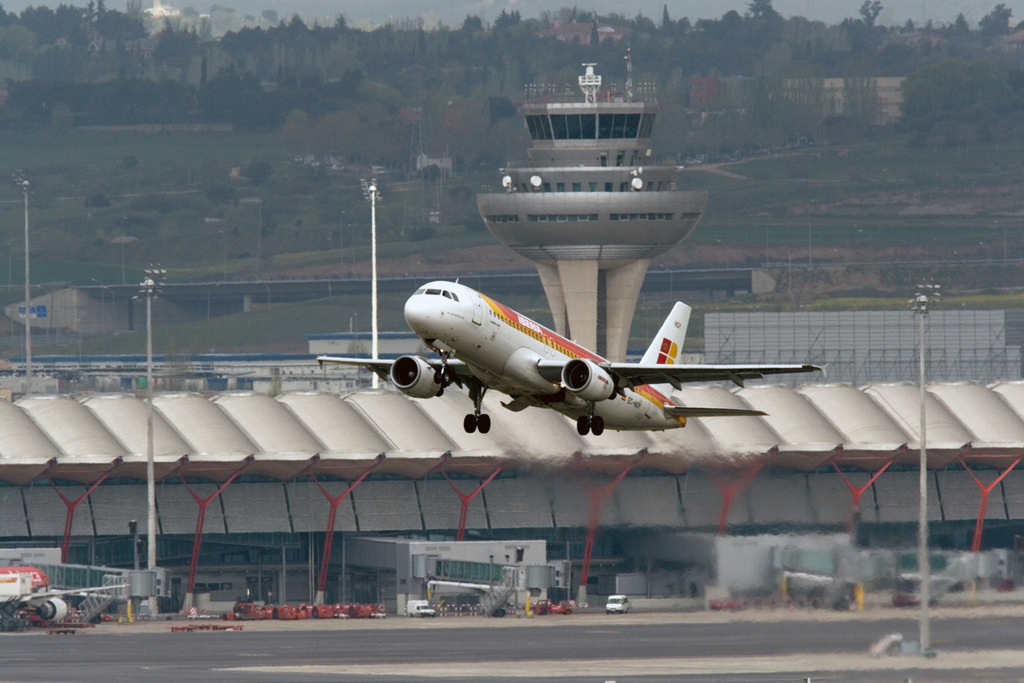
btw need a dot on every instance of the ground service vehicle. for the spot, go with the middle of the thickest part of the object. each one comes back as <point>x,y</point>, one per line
<point>420,608</point>
<point>617,604</point>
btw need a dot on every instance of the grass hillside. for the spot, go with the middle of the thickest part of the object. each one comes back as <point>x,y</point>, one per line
<point>835,226</point>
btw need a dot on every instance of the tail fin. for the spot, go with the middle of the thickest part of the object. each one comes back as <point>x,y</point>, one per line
<point>667,347</point>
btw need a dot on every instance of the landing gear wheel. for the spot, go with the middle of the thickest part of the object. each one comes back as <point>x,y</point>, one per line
<point>477,420</point>
<point>597,425</point>
<point>583,425</point>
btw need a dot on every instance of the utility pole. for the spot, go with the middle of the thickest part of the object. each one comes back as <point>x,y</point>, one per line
<point>371,192</point>
<point>149,288</point>
<point>927,297</point>
<point>28,300</point>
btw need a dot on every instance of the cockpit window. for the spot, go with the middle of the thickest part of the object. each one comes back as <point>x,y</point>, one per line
<point>439,292</point>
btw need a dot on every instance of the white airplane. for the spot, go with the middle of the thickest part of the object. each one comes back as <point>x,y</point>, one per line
<point>28,589</point>
<point>485,345</point>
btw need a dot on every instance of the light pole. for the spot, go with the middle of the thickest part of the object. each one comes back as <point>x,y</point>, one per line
<point>122,240</point>
<point>921,305</point>
<point>810,253</point>
<point>103,304</point>
<point>224,243</point>
<point>371,192</point>
<point>28,300</point>
<point>149,288</point>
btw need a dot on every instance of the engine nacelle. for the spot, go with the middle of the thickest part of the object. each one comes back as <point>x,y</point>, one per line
<point>414,376</point>
<point>587,380</point>
<point>52,609</point>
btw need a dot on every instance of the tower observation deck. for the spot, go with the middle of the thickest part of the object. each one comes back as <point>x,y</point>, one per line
<point>590,209</point>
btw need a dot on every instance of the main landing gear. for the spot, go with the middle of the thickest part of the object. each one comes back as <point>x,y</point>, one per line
<point>590,423</point>
<point>477,420</point>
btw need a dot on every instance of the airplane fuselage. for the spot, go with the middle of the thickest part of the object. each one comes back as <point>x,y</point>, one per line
<point>502,348</point>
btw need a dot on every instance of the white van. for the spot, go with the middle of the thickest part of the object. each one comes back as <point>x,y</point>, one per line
<point>617,604</point>
<point>420,608</point>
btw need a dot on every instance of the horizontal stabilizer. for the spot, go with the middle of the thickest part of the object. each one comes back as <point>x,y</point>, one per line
<point>688,411</point>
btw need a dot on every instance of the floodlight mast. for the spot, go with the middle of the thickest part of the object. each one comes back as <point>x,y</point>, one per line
<point>371,192</point>
<point>927,297</point>
<point>28,299</point>
<point>149,288</point>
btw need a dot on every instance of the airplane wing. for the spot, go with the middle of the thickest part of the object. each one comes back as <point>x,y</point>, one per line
<point>677,375</point>
<point>73,591</point>
<point>636,374</point>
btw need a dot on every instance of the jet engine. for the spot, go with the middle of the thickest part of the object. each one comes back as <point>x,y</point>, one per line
<point>587,380</point>
<point>52,609</point>
<point>414,376</point>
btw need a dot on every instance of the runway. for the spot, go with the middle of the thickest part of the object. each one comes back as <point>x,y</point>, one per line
<point>981,644</point>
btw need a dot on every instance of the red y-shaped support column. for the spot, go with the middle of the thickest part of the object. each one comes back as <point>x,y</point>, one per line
<point>325,562</point>
<point>857,491</point>
<point>729,486</point>
<point>197,540</point>
<point>72,505</point>
<point>597,496</point>
<point>986,489</point>
<point>465,498</point>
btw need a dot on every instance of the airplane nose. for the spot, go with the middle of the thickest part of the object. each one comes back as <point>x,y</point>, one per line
<point>417,313</point>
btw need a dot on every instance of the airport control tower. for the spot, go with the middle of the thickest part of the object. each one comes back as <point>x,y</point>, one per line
<point>589,208</point>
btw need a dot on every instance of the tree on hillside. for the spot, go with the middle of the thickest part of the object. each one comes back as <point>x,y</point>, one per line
<point>996,23</point>
<point>762,9</point>
<point>955,90</point>
<point>869,12</point>
<point>114,25</point>
<point>175,48</point>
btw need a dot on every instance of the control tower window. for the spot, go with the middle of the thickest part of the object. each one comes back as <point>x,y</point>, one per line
<point>619,158</point>
<point>559,127</point>
<point>560,187</point>
<point>577,187</point>
<point>646,126</point>
<point>588,126</point>
<point>631,126</point>
<point>572,127</point>
<point>539,126</point>
<point>620,126</point>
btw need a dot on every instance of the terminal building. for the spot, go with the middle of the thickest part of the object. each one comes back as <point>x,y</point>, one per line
<point>275,497</point>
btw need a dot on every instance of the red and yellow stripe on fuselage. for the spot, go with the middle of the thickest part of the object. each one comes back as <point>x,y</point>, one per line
<point>570,349</point>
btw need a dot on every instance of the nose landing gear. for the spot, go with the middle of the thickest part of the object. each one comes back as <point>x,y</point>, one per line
<point>443,376</point>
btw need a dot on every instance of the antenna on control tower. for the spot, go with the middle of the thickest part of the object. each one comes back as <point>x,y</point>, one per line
<point>590,83</point>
